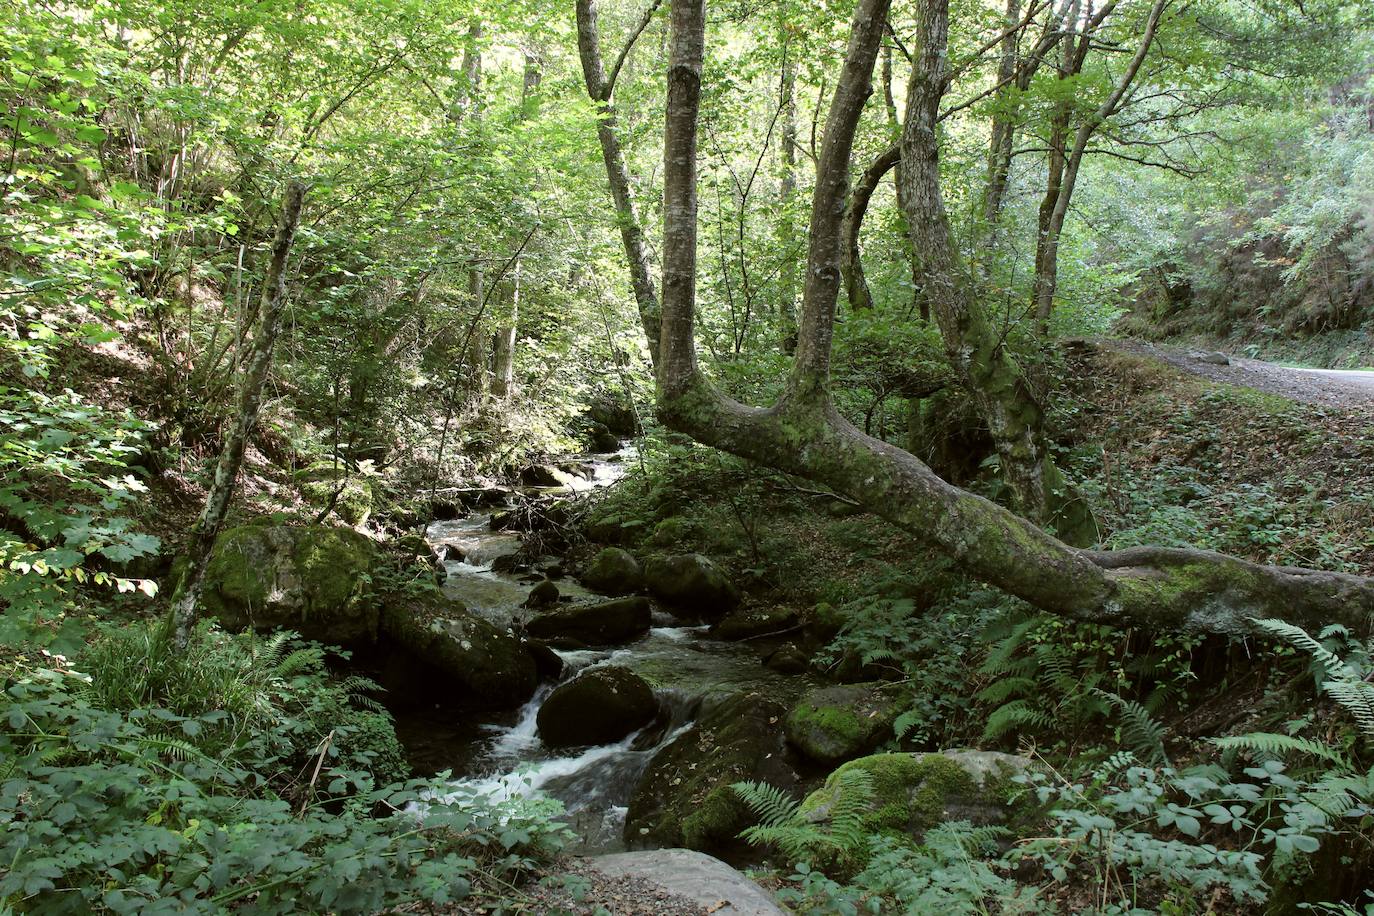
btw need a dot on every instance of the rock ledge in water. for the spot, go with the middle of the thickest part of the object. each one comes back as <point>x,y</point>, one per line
<point>705,880</point>
<point>484,665</point>
<point>693,583</point>
<point>599,623</point>
<point>598,706</point>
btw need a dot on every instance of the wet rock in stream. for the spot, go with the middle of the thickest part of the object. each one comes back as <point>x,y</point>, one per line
<point>595,623</point>
<point>692,582</point>
<point>684,797</point>
<point>598,706</point>
<point>483,664</point>
<point>613,571</point>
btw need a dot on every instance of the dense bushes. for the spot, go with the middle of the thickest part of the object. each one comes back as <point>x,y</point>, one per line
<point>238,773</point>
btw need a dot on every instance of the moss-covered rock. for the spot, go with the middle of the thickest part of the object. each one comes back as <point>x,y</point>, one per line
<point>751,623</point>
<point>598,706</point>
<point>319,481</point>
<point>596,623</point>
<point>913,792</point>
<point>481,665</point>
<point>312,578</point>
<point>684,797</point>
<point>613,571</point>
<point>692,583</point>
<point>833,724</point>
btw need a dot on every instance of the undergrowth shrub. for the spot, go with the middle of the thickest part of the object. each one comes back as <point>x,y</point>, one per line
<point>148,810</point>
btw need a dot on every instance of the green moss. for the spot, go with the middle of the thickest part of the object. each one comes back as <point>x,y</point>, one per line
<point>909,790</point>
<point>840,722</point>
<point>321,556</point>
<point>716,821</point>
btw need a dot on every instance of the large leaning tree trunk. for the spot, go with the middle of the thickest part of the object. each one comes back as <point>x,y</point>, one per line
<point>803,434</point>
<point>186,604</point>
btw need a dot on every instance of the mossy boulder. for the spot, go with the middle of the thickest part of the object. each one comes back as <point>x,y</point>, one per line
<point>481,664</point>
<point>692,583</point>
<point>833,724</point>
<point>752,623</point>
<point>598,623</point>
<point>598,706</point>
<point>613,571</point>
<point>684,797</point>
<point>913,792</point>
<point>314,579</point>
<point>319,481</point>
<point>788,659</point>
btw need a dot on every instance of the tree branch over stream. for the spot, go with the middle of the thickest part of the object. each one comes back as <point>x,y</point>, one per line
<point>803,433</point>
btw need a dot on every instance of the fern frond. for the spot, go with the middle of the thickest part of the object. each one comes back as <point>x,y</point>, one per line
<point>1357,698</point>
<point>1016,714</point>
<point>1272,745</point>
<point>1300,639</point>
<point>1002,690</point>
<point>1006,647</point>
<point>772,806</point>
<point>1139,729</point>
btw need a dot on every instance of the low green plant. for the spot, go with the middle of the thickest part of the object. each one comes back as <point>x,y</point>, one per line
<point>104,811</point>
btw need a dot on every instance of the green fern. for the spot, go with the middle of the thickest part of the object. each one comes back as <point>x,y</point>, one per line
<point>1139,729</point>
<point>1269,744</point>
<point>1016,714</point>
<point>840,839</point>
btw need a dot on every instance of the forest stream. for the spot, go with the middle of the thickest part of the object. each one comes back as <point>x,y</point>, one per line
<point>499,753</point>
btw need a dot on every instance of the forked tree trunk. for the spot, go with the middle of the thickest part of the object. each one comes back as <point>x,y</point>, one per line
<point>186,604</point>
<point>803,434</point>
<point>600,87</point>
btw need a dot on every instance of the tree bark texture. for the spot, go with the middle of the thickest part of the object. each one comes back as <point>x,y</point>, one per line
<point>599,88</point>
<point>186,604</point>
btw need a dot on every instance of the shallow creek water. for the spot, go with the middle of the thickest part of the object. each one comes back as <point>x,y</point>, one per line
<point>503,756</point>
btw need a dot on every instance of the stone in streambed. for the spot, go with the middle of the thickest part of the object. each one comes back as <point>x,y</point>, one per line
<point>546,475</point>
<point>833,724</point>
<point>751,623</point>
<point>685,797</point>
<point>704,880</point>
<point>788,659</point>
<point>597,623</point>
<point>692,582</point>
<point>613,572</point>
<point>545,594</point>
<point>483,665</point>
<point>599,706</point>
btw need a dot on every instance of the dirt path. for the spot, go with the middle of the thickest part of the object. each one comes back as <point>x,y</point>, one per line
<point>1324,387</point>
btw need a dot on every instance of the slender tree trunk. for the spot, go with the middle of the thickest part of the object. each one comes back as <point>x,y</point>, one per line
<point>805,435</point>
<point>600,87</point>
<point>503,375</point>
<point>186,604</point>
<point>787,234</point>
<point>1003,133</point>
<point>479,348</point>
<point>1052,225</point>
<point>503,350</point>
